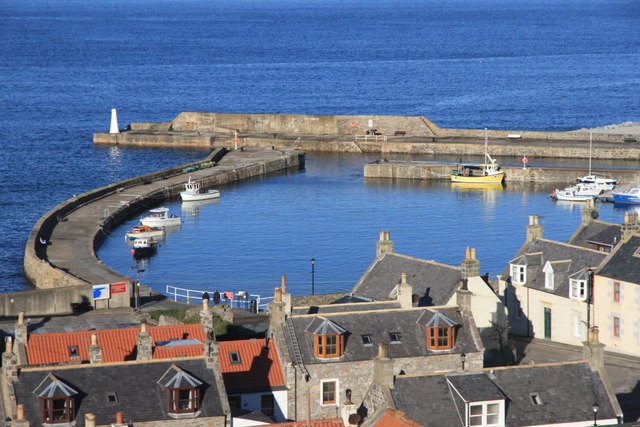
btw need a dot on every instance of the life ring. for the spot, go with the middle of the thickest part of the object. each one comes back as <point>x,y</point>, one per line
<point>525,160</point>
<point>354,124</point>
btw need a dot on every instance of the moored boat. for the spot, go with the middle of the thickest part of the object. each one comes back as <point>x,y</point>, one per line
<point>486,173</point>
<point>144,246</point>
<point>629,195</point>
<point>140,231</point>
<point>602,182</point>
<point>576,193</point>
<point>159,217</point>
<point>193,191</point>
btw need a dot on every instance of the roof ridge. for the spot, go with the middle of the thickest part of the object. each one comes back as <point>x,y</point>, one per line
<point>427,261</point>
<point>572,246</point>
<point>92,331</point>
<point>100,365</point>
<point>496,368</point>
<point>323,315</point>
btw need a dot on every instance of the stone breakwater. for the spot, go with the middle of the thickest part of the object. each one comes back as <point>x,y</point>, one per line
<point>374,133</point>
<point>60,252</point>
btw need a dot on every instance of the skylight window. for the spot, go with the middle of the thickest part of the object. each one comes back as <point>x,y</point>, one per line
<point>367,339</point>
<point>535,399</point>
<point>74,353</point>
<point>112,397</point>
<point>234,357</point>
<point>395,337</point>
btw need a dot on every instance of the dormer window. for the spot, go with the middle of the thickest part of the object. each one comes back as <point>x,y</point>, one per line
<point>548,276</point>
<point>518,274</point>
<point>395,337</point>
<point>57,401</point>
<point>578,289</point>
<point>183,393</point>
<point>486,414</point>
<point>440,332</point>
<point>328,339</point>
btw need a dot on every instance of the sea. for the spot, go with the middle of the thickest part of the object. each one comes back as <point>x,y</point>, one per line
<point>549,65</point>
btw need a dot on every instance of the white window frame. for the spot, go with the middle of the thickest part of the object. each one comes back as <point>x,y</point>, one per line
<point>518,274</point>
<point>578,289</point>
<point>548,276</point>
<point>483,416</point>
<point>337,392</point>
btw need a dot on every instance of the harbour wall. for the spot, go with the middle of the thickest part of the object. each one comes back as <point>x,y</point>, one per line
<point>75,284</point>
<point>399,134</point>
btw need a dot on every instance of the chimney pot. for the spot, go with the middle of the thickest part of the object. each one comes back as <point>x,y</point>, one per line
<point>473,253</point>
<point>277,295</point>
<point>382,234</point>
<point>21,318</point>
<point>118,417</point>
<point>8,346</point>
<point>94,339</point>
<point>594,332</point>
<point>20,412</point>
<point>283,283</point>
<point>404,278</point>
<point>205,304</point>
<point>467,253</point>
<point>89,420</point>
<point>383,352</point>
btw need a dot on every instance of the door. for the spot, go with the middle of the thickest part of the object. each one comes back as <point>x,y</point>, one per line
<point>547,322</point>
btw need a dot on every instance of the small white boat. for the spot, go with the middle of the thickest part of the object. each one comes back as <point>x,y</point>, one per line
<point>193,192</point>
<point>159,217</point>
<point>144,246</point>
<point>577,193</point>
<point>140,231</point>
<point>602,182</point>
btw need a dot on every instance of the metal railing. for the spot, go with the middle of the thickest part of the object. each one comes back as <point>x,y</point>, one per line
<point>375,138</point>
<point>240,299</point>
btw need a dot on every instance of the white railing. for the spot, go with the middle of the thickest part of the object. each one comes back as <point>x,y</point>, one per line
<point>240,299</point>
<point>375,138</point>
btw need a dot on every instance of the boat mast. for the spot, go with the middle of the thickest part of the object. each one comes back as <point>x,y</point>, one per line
<point>590,143</point>
<point>486,151</point>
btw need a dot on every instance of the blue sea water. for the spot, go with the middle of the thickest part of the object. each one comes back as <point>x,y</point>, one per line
<point>503,64</point>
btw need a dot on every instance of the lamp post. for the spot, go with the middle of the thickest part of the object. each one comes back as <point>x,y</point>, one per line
<point>136,289</point>
<point>313,276</point>
<point>463,357</point>
<point>595,408</point>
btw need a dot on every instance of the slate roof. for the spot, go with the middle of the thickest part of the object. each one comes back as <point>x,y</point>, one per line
<point>337,307</point>
<point>566,260</point>
<point>622,263</point>
<point>433,282</point>
<point>379,324</point>
<point>259,368</point>
<point>566,390</point>
<point>596,232</point>
<point>139,396</point>
<point>117,344</point>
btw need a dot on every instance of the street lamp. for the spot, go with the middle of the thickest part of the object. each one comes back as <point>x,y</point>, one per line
<point>313,276</point>
<point>463,357</point>
<point>595,408</point>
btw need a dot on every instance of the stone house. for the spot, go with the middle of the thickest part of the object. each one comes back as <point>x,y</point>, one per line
<point>563,394</point>
<point>328,351</point>
<point>435,284</point>
<point>595,234</point>
<point>546,288</point>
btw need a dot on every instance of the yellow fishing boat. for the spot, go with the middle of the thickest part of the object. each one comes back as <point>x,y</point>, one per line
<point>486,173</point>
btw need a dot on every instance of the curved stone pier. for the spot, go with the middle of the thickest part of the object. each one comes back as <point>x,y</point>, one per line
<point>60,251</point>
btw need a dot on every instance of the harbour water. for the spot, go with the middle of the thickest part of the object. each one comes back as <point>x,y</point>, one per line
<point>504,64</point>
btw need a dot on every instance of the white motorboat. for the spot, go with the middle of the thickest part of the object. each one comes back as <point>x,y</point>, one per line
<point>144,246</point>
<point>577,193</point>
<point>603,183</point>
<point>140,231</point>
<point>159,217</point>
<point>193,192</point>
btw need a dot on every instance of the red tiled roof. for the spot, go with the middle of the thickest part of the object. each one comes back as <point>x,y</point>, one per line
<point>117,344</point>
<point>258,369</point>
<point>395,418</point>
<point>336,422</point>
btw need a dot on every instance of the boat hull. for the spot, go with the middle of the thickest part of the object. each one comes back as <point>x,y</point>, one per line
<point>626,198</point>
<point>194,197</point>
<point>133,236</point>
<point>154,222</point>
<point>489,179</point>
<point>564,198</point>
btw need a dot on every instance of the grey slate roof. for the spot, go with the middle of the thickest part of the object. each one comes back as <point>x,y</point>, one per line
<point>342,307</point>
<point>567,392</point>
<point>433,282</point>
<point>379,324</point>
<point>622,263</point>
<point>140,397</point>
<point>566,260</point>
<point>596,232</point>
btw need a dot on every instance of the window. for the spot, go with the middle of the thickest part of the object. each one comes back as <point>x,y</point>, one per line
<point>112,397</point>
<point>486,414</point>
<point>328,346</point>
<point>535,399</point>
<point>616,291</point>
<point>329,392</point>
<point>367,339</point>
<point>267,404</point>
<point>518,274</point>
<point>578,289</point>
<point>234,358</point>
<point>183,400</point>
<point>235,402</point>
<point>616,326</point>
<point>57,410</point>
<point>440,338</point>
<point>548,276</point>
<point>74,353</point>
<point>395,337</point>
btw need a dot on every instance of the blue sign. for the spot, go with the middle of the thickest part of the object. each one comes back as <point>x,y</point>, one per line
<point>101,292</point>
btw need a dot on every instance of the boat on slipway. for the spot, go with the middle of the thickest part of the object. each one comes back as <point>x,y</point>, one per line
<point>485,173</point>
<point>140,231</point>
<point>159,217</point>
<point>629,195</point>
<point>576,193</point>
<point>194,192</point>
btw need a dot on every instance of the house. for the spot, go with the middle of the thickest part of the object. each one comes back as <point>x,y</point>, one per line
<point>546,288</point>
<point>568,393</point>
<point>328,353</point>
<point>595,234</point>
<point>434,284</point>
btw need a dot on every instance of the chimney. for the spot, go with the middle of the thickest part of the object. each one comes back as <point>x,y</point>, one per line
<point>9,362</point>
<point>118,417</point>
<point>589,212</point>
<point>145,343</point>
<point>95,351</point>
<point>286,296</point>
<point>593,350</point>
<point>404,294</point>
<point>630,225</point>
<point>534,229</point>
<point>89,420</point>
<point>470,265</point>
<point>383,367</point>
<point>463,297</point>
<point>206,315</point>
<point>384,245</point>
<point>114,122</point>
<point>348,411</point>
<point>277,314</point>
<point>21,330</point>
<point>211,351</point>
<point>20,420</point>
